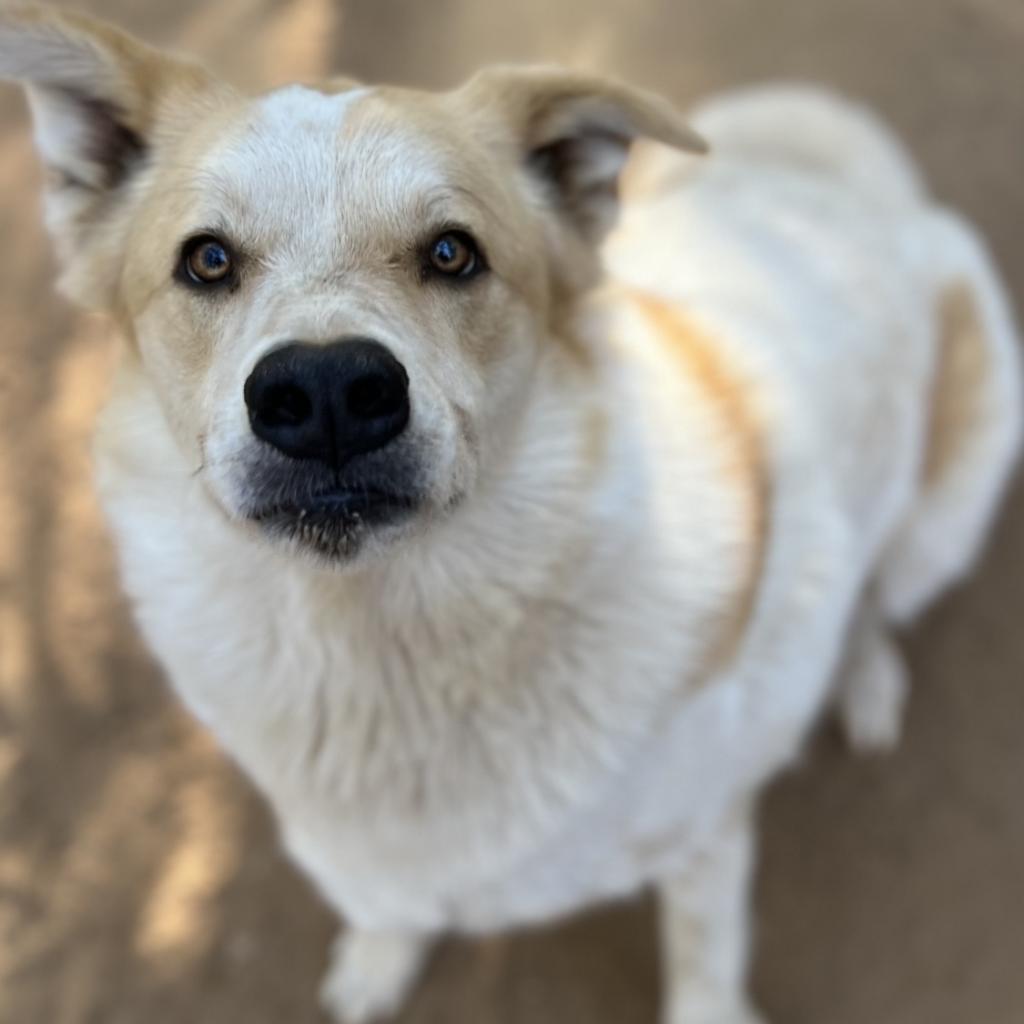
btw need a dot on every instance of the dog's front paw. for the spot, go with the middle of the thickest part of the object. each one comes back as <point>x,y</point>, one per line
<point>736,1015</point>
<point>704,1011</point>
<point>370,974</point>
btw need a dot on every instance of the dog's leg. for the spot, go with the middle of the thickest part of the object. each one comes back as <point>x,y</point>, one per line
<point>873,685</point>
<point>371,973</point>
<point>705,933</point>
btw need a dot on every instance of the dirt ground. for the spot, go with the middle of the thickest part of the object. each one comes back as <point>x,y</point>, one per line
<point>140,881</point>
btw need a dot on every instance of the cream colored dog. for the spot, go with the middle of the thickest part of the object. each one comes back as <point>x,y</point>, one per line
<point>508,583</point>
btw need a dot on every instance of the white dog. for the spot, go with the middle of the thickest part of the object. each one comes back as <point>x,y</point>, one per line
<point>510,583</point>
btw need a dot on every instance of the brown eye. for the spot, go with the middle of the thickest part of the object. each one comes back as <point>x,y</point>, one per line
<point>454,254</point>
<point>206,260</point>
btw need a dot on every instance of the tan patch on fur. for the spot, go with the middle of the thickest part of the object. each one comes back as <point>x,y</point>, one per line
<point>547,103</point>
<point>744,461</point>
<point>959,376</point>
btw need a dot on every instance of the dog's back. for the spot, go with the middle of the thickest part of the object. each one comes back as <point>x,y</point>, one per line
<point>809,246</point>
<point>816,131</point>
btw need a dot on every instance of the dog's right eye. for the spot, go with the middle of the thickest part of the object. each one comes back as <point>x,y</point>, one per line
<point>206,260</point>
<point>455,255</point>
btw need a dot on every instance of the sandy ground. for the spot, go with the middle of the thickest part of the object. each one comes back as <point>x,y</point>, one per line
<point>140,881</point>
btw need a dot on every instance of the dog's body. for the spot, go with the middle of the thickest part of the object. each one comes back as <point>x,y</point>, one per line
<point>782,424</point>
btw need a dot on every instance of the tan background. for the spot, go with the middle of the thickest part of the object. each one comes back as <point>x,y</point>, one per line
<point>140,882</point>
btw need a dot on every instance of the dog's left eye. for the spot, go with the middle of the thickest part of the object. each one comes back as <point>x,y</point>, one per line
<point>206,260</point>
<point>454,254</point>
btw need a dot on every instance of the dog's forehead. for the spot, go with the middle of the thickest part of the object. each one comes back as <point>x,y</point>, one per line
<point>302,151</point>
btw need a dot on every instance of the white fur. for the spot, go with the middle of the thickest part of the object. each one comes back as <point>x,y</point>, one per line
<point>504,724</point>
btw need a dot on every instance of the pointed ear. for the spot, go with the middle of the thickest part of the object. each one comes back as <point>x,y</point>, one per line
<point>573,133</point>
<point>98,99</point>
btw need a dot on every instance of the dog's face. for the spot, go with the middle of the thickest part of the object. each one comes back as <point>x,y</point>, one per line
<point>340,297</point>
<point>340,294</point>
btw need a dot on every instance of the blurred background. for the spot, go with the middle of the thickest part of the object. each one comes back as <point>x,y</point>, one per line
<point>140,879</point>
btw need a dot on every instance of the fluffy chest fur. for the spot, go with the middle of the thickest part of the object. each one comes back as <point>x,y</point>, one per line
<point>422,729</point>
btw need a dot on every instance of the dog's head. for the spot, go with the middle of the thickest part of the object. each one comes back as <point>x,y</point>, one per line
<point>340,294</point>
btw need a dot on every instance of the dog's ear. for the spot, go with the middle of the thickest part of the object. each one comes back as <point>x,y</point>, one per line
<point>99,100</point>
<point>573,133</point>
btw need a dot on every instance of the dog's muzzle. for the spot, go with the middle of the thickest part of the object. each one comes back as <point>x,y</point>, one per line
<point>331,463</point>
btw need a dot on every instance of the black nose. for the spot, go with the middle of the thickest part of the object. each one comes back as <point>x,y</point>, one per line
<point>328,402</point>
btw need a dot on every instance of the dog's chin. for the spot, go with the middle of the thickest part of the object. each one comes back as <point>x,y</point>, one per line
<point>335,528</point>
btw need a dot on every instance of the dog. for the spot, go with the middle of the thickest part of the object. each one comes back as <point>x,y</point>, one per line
<point>511,510</point>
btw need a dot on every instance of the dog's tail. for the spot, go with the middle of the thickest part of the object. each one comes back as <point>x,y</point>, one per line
<point>816,130</point>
